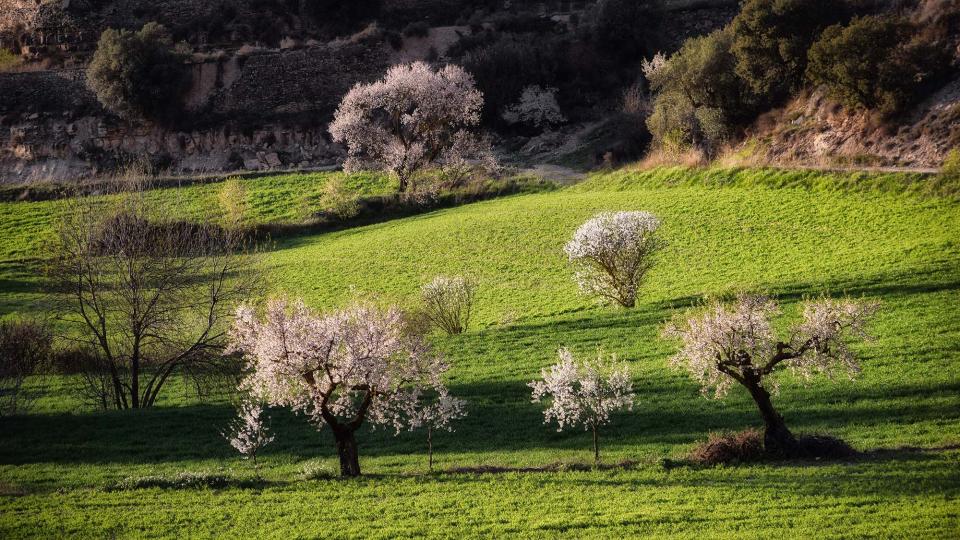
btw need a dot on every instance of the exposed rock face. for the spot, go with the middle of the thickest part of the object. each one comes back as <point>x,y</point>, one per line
<point>813,129</point>
<point>264,110</point>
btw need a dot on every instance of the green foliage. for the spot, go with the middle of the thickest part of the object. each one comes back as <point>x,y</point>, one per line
<point>698,95</point>
<point>794,233</point>
<point>339,199</point>
<point>234,201</point>
<point>771,38</point>
<point>138,74</point>
<point>8,60</point>
<point>951,164</point>
<point>876,62</point>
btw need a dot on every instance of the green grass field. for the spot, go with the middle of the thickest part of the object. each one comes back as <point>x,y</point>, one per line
<point>892,237</point>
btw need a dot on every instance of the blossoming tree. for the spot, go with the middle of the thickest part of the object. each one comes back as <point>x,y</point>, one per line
<point>736,343</point>
<point>248,433</point>
<point>584,393</point>
<point>412,118</point>
<point>435,411</point>
<point>342,369</point>
<point>613,252</point>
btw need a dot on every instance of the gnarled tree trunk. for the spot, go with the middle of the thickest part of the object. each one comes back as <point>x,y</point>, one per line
<point>777,438</point>
<point>347,451</point>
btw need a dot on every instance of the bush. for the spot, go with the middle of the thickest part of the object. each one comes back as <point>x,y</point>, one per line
<point>729,448</point>
<point>448,303</point>
<point>339,200</point>
<point>232,196</point>
<point>316,470</point>
<point>876,62</point>
<point>770,41</point>
<point>25,348</point>
<point>698,95</point>
<point>951,164</point>
<point>138,74</point>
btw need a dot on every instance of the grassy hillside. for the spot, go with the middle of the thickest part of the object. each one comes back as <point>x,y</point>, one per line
<point>726,230</point>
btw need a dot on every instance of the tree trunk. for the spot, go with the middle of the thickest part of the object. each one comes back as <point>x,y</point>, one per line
<point>777,438</point>
<point>430,448</point>
<point>596,447</point>
<point>348,452</point>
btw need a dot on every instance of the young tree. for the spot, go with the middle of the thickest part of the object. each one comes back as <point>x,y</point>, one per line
<point>149,295</point>
<point>584,393</point>
<point>342,369</point>
<point>537,108</point>
<point>248,433</point>
<point>614,251</point>
<point>736,343</point>
<point>448,303</point>
<point>435,411</point>
<point>411,119</point>
<point>25,346</point>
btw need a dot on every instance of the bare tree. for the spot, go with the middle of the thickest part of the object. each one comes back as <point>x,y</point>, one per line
<point>448,303</point>
<point>148,294</point>
<point>24,347</point>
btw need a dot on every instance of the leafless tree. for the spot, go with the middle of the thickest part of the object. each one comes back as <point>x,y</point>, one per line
<point>24,347</point>
<point>150,295</point>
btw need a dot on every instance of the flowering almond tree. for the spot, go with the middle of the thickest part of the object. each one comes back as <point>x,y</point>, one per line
<point>342,369</point>
<point>584,393</point>
<point>725,344</point>
<point>613,252</point>
<point>412,118</point>
<point>249,433</point>
<point>435,412</point>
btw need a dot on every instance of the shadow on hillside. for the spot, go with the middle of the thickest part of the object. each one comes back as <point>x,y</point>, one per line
<point>501,418</point>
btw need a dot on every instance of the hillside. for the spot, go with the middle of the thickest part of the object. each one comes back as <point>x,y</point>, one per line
<point>792,233</point>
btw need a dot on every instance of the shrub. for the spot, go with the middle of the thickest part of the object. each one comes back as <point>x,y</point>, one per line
<point>698,95</point>
<point>25,348</point>
<point>448,303</point>
<point>876,62</point>
<point>951,163</point>
<point>770,41</point>
<point>137,74</point>
<point>233,199</point>
<point>316,470</point>
<point>537,108</point>
<point>729,448</point>
<point>613,252</point>
<point>339,200</point>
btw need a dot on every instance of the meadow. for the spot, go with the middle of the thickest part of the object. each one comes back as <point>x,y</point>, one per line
<point>895,237</point>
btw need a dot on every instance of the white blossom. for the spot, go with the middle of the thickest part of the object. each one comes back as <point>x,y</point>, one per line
<point>583,393</point>
<point>412,118</point>
<point>351,366</point>
<point>613,252</point>
<point>537,107</point>
<point>248,433</point>
<point>723,343</point>
<point>652,67</point>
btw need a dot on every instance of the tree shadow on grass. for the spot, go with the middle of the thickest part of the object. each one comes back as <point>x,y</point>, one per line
<point>501,419</point>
